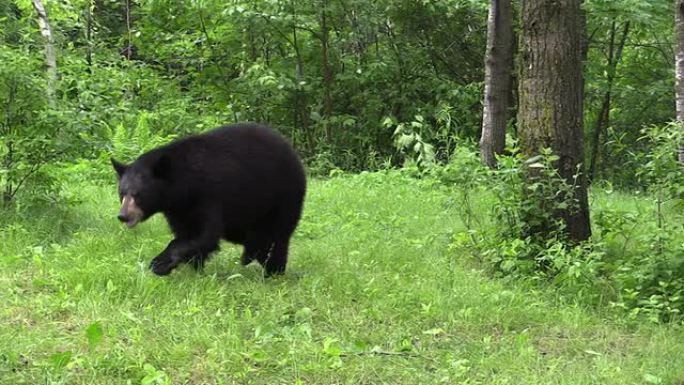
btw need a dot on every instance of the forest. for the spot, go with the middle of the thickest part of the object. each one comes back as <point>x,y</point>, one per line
<point>495,191</point>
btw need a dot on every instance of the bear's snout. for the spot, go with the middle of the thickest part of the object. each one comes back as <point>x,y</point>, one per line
<point>130,213</point>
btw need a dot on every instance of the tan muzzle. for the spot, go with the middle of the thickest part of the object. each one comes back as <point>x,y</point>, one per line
<point>130,213</point>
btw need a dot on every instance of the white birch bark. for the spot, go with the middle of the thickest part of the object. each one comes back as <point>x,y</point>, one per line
<point>50,55</point>
<point>679,69</point>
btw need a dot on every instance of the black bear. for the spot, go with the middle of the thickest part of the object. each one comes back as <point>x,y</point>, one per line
<point>242,182</point>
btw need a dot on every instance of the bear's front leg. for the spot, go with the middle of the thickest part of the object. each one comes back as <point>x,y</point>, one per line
<point>185,250</point>
<point>167,260</point>
<point>179,251</point>
<point>188,246</point>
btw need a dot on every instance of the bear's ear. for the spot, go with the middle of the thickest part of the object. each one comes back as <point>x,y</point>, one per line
<point>119,167</point>
<point>162,168</point>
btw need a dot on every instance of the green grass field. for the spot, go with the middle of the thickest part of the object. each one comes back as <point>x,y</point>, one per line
<point>372,295</point>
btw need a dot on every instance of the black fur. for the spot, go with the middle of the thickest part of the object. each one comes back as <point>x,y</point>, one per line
<point>243,183</point>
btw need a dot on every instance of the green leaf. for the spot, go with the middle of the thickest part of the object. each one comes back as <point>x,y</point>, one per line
<point>94,334</point>
<point>388,122</point>
<point>60,360</point>
<point>434,331</point>
<point>349,122</point>
<point>651,379</point>
<point>332,347</point>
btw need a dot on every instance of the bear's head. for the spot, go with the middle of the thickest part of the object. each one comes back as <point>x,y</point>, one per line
<point>142,186</point>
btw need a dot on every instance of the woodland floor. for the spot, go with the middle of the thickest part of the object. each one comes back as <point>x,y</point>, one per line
<point>372,295</point>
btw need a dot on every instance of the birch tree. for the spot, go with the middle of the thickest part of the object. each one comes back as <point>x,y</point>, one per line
<point>50,55</point>
<point>679,69</point>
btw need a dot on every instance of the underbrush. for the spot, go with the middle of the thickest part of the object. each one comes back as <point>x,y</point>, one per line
<point>634,260</point>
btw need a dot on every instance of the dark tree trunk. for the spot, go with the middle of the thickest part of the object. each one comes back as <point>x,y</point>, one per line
<point>327,72</point>
<point>498,89</point>
<point>679,72</point>
<point>129,50</point>
<point>550,110</point>
<point>301,107</point>
<point>89,34</point>
<point>603,118</point>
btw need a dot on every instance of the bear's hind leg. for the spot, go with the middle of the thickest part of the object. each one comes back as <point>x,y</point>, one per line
<point>276,261</point>
<point>257,246</point>
<point>284,226</point>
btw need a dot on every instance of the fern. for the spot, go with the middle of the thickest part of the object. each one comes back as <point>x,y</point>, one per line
<point>128,143</point>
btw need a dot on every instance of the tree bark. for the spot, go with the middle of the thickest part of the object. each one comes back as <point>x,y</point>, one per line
<point>327,72</point>
<point>50,55</point>
<point>301,105</point>
<point>498,81</point>
<point>130,51</point>
<point>603,118</point>
<point>550,110</point>
<point>89,34</point>
<point>679,69</point>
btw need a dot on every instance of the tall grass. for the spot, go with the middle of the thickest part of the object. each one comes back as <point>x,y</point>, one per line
<point>373,294</point>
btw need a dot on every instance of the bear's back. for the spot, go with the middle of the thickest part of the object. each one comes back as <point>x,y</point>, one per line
<point>236,160</point>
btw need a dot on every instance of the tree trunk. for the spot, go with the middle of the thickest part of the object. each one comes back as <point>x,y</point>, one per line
<point>50,56</point>
<point>327,73</point>
<point>603,118</point>
<point>679,69</point>
<point>89,34</point>
<point>129,52</point>
<point>550,110</point>
<point>498,89</point>
<point>301,107</point>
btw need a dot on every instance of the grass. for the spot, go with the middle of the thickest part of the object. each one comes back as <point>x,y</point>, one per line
<point>372,296</point>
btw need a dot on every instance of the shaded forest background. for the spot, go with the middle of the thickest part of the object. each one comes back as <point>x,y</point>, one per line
<point>357,85</point>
